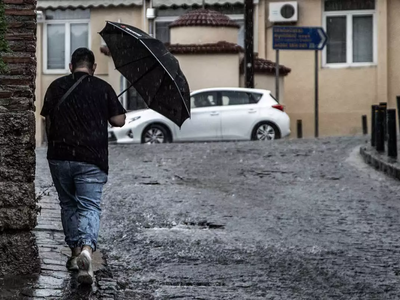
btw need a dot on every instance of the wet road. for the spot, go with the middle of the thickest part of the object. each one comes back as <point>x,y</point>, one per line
<point>301,219</point>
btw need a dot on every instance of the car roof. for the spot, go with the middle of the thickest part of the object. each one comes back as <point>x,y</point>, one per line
<point>231,89</point>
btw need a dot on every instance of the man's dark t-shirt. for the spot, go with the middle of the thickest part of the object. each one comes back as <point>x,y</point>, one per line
<point>77,129</point>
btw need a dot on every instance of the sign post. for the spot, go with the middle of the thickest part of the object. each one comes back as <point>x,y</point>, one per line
<point>277,76</point>
<point>316,113</point>
<point>301,38</point>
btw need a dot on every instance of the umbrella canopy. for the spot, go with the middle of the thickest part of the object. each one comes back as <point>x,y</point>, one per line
<point>154,72</point>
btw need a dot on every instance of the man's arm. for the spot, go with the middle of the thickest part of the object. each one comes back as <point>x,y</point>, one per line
<point>118,121</point>
<point>116,112</point>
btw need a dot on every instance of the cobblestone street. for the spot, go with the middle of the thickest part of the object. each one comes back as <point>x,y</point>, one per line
<point>300,219</point>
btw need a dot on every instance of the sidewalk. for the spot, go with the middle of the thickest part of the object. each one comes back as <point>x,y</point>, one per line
<point>381,161</point>
<point>54,281</point>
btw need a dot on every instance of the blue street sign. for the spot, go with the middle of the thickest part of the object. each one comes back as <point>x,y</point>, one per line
<point>299,38</point>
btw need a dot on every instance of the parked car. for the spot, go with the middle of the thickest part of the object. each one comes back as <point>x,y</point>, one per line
<point>216,114</point>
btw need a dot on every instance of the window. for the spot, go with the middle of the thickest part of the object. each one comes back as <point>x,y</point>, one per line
<point>162,28</point>
<point>239,19</point>
<point>131,99</point>
<point>134,100</point>
<point>350,26</point>
<point>203,100</point>
<point>64,32</point>
<point>239,98</point>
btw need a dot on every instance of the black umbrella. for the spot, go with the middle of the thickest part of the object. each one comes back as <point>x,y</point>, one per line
<point>154,72</point>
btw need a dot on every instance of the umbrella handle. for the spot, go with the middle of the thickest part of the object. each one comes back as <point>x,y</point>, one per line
<point>125,91</point>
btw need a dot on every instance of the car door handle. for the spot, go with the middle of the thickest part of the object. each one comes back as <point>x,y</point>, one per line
<point>252,111</point>
<point>214,113</point>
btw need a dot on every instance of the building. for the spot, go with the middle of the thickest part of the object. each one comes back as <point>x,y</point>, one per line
<point>65,25</point>
<point>357,68</point>
<point>205,43</point>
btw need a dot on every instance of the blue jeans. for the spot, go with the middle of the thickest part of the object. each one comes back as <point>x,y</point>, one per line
<point>79,186</point>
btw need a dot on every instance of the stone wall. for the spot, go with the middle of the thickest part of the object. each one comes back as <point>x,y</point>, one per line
<point>18,212</point>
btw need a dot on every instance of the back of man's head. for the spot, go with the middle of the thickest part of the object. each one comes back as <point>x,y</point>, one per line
<point>82,58</point>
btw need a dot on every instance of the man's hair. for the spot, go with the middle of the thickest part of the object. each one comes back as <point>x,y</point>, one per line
<point>81,58</point>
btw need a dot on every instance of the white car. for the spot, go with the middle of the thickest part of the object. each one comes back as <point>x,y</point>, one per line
<point>216,114</point>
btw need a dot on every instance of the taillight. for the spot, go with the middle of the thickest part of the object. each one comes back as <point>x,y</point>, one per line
<point>279,106</point>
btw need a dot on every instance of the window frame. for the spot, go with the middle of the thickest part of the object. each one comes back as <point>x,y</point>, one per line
<point>241,18</point>
<point>349,14</point>
<point>163,20</point>
<point>67,24</point>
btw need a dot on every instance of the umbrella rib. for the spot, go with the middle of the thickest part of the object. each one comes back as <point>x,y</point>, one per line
<point>128,63</point>
<point>175,75</point>
<point>152,67</point>
<point>124,91</point>
<point>165,69</point>
<point>159,86</point>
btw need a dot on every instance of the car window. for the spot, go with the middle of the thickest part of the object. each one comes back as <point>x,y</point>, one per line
<point>203,100</point>
<point>239,98</point>
<point>256,97</point>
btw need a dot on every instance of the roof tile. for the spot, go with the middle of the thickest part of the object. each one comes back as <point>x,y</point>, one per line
<point>204,18</point>
<point>266,66</point>
<point>220,47</point>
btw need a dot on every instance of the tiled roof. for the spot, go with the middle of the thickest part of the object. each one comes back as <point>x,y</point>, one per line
<point>260,65</point>
<point>63,4</point>
<point>204,17</point>
<point>159,3</point>
<point>220,47</point>
<point>266,66</point>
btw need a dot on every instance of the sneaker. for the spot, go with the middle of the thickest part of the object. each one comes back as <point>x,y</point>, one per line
<point>72,264</point>
<point>84,261</point>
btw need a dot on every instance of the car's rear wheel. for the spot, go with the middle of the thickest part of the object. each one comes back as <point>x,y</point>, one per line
<point>155,134</point>
<point>265,131</point>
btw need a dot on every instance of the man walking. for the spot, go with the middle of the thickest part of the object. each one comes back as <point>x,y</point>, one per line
<point>77,109</point>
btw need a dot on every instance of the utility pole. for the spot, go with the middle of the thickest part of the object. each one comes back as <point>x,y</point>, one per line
<point>204,4</point>
<point>249,43</point>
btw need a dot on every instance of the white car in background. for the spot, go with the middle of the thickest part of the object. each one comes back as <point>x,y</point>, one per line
<point>217,114</point>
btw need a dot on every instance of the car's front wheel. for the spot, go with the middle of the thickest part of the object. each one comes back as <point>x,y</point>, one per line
<point>265,131</point>
<point>155,134</point>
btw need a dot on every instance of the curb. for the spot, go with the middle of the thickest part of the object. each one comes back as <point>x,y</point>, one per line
<point>390,167</point>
